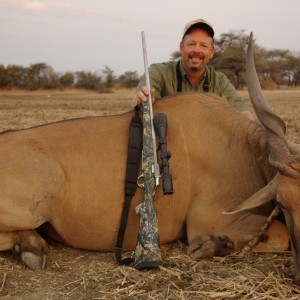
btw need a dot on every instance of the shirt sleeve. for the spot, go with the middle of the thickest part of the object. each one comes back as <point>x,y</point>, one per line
<point>162,79</point>
<point>229,92</point>
<point>156,81</point>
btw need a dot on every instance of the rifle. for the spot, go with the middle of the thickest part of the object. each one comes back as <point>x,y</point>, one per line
<point>147,251</point>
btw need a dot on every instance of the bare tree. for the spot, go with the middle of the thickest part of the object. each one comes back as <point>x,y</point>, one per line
<point>129,79</point>
<point>109,76</point>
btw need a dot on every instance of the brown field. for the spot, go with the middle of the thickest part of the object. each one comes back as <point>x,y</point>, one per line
<point>78,274</point>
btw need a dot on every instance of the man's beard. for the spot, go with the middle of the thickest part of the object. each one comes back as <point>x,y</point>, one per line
<point>196,69</point>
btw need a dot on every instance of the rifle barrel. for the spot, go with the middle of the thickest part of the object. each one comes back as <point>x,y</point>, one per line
<point>156,165</point>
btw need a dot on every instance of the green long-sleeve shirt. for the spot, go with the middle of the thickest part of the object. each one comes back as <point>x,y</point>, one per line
<point>163,79</point>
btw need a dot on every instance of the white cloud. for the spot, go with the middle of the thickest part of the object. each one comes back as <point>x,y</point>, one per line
<point>34,6</point>
<point>23,4</point>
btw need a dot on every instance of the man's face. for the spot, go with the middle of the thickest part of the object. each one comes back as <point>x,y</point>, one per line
<point>196,49</point>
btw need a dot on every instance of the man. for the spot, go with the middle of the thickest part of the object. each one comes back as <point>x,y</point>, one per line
<point>191,73</point>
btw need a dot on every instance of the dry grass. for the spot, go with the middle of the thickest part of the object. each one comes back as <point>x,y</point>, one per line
<point>78,274</point>
<point>26,109</point>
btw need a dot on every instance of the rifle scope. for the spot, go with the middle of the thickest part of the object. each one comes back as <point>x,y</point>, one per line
<point>160,126</point>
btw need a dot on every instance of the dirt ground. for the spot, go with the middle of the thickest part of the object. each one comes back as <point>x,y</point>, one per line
<point>78,274</point>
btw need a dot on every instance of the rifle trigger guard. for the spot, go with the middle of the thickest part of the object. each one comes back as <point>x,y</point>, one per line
<point>139,183</point>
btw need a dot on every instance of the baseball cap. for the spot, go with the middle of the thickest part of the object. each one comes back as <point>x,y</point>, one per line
<point>198,23</point>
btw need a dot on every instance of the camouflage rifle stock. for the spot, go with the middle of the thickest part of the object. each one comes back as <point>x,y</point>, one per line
<point>147,251</point>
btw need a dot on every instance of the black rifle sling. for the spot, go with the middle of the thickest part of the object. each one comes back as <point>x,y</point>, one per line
<point>179,80</point>
<point>135,143</point>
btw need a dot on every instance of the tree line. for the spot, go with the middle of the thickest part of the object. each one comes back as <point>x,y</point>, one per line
<point>275,68</point>
<point>42,76</point>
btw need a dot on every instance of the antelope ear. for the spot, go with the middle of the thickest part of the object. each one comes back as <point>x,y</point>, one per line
<point>264,195</point>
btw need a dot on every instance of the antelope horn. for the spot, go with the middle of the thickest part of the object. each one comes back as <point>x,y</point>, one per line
<point>266,116</point>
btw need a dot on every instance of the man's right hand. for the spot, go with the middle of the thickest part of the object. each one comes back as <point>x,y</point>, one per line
<point>142,96</point>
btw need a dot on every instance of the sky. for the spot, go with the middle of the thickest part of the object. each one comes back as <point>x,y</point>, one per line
<point>87,35</point>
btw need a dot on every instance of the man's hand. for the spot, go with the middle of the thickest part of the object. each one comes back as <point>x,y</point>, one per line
<point>142,96</point>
